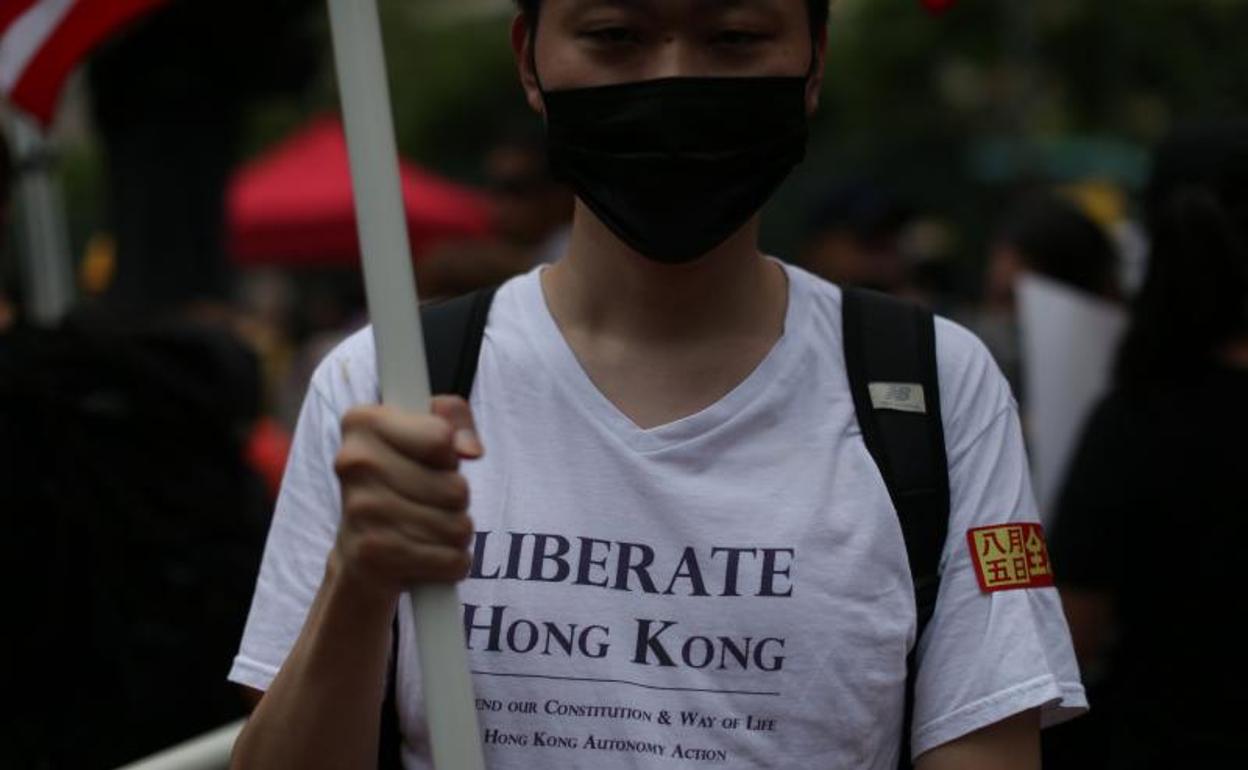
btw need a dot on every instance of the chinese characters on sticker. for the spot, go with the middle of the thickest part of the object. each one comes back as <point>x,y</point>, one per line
<point>1010,556</point>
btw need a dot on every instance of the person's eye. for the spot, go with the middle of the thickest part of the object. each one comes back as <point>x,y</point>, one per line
<point>738,38</point>
<point>612,35</point>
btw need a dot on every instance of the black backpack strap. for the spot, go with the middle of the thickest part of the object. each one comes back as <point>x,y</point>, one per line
<point>890,350</point>
<point>453,333</point>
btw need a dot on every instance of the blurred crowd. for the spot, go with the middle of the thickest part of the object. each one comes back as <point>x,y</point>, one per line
<point>144,435</point>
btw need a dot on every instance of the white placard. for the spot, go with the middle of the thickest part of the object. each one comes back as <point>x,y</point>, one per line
<point>1069,341</point>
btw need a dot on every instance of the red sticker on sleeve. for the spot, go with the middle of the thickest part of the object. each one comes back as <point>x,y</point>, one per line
<point>1010,556</point>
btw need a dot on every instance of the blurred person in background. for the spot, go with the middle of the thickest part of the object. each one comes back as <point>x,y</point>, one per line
<point>532,222</point>
<point>855,241</point>
<point>1050,236</point>
<point>1150,528</point>
<point>132,528</point>
<point>532,210</point>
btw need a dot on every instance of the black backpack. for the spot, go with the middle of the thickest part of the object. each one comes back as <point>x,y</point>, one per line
<point>890,355</point>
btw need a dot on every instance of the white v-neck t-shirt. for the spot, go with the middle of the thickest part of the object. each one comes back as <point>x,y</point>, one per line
<point>728,589</point>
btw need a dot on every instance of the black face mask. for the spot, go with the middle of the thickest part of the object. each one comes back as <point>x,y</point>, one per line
<point>675,166</point>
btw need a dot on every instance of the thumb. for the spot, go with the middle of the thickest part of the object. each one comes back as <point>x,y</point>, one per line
<point>455,410</point>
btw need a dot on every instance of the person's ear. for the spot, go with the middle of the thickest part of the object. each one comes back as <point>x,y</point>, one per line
<point>814,84</point>
<point>522,41</point>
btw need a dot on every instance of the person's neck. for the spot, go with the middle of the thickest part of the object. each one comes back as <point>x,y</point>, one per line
<point>603,287</point>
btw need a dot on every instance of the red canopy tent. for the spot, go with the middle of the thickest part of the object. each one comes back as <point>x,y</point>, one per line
<point>293,206</point>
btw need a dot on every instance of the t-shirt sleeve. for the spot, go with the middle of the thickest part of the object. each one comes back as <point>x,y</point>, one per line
<point>987,656</point>
<point>305,523</point>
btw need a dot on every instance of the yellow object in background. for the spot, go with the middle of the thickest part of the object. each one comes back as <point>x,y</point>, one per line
<point>1100,200</point>
<point>99,264</point>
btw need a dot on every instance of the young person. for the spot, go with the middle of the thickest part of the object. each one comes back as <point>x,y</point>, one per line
<point>681,550</point>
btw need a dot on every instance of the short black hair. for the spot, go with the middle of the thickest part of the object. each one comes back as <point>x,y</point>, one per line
<point>818,10</point>
<point>1056,239</point>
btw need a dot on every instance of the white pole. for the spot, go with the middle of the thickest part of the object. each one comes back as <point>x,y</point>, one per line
<point>391,290</point>
<point>210,751</point>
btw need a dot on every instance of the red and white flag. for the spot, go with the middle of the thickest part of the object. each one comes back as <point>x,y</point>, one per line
<point>41,41</point>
